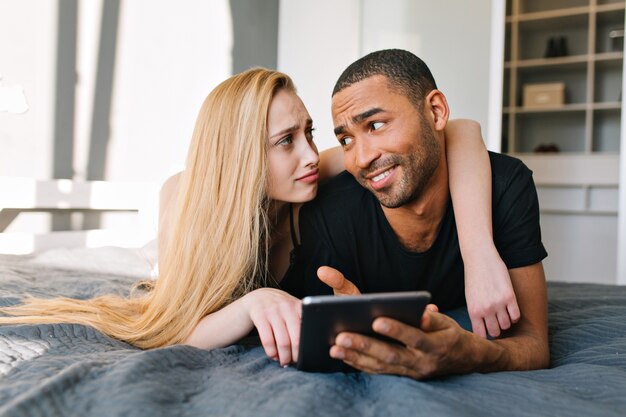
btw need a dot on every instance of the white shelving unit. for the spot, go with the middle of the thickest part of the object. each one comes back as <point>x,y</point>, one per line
<point>578,186</point>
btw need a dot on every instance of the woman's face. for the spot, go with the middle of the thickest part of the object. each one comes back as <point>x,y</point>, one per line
<point>292,155</point>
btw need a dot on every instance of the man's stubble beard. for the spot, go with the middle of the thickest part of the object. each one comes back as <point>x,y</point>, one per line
<point>417,170</point>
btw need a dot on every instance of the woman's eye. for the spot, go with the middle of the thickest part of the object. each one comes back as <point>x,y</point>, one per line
<point>287,140</point>
<point>345,141</point>
<point>309,133</point>
<point>377,125</point>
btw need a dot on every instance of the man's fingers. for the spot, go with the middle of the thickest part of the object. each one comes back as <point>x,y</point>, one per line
<point>432,307</point>
<point>433,321</point>
<point>407,335</point>
<point>336,280</point>
<point>372,365</point>
<point>364,346</point>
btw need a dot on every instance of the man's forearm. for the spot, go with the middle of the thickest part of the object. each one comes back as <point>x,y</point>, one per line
<point>521,352</point>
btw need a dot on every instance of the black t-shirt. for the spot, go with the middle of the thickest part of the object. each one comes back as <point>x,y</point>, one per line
<point>345,228</point>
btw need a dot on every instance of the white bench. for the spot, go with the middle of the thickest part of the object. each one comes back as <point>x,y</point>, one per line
<point>20,195</point>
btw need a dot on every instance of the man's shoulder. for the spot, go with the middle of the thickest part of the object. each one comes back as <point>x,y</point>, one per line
<point>340,194</point>
<point>502,164</point>
<point>506,171</point>
<point>342,187</point>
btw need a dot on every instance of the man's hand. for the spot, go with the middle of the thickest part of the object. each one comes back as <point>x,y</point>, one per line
<point>335,279</point>
<point>440,347</point>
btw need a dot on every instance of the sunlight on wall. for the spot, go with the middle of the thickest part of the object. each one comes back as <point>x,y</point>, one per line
<point>140,79</point>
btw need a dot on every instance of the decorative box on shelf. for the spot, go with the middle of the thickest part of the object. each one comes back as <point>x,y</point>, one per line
<point>544,95</point>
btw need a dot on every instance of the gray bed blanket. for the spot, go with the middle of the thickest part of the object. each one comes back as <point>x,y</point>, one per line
<point>72,370</point>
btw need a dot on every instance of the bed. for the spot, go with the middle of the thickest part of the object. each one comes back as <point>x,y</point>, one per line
<point>72,370</point>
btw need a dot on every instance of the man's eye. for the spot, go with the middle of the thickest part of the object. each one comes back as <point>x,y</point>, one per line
<point>309,133</point>
<point>377,125</point>
<point>345,141</point>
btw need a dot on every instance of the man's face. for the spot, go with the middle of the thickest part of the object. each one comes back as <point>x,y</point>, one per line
<point>389,147</point>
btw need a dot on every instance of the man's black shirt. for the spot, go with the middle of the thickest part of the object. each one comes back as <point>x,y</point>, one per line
<point>345,228</point>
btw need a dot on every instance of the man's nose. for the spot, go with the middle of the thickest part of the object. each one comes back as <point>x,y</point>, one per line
<point>365,153</point>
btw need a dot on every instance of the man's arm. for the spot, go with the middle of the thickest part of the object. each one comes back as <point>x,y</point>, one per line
<point>442,347</point>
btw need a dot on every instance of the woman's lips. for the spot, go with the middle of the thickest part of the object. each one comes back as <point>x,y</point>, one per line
<point>309,177</point>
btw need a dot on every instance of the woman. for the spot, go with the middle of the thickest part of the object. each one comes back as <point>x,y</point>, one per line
<point>228,239</point>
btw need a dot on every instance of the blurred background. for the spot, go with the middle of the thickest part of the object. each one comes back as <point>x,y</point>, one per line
<point>108,90</point>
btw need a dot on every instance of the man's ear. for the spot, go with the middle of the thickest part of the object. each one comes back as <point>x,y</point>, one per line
<point>436,107</point>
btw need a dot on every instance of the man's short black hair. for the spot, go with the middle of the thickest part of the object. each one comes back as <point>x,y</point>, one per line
<point>405,72</point>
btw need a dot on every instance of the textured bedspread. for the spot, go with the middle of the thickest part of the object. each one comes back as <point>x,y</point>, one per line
<point>71,370</point>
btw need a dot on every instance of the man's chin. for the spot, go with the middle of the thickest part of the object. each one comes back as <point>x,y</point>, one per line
<point>385,198</point>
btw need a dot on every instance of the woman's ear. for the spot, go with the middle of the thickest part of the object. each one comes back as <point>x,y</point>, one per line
<point>436,107</point>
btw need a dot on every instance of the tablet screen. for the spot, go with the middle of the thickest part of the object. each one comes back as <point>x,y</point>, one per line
<point>323,317</point>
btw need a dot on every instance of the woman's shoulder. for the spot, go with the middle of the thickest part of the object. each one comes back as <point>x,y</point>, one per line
<point>170,186</point>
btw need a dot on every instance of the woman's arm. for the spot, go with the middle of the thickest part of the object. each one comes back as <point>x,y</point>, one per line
<point>490,298</point>
<point>274,313</point>
<point>331,163</point>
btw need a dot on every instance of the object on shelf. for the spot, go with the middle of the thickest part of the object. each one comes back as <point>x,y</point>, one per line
<point>557,46</point>
<point>617,39</point>
<point>544,95</point>
<point>547,148</point>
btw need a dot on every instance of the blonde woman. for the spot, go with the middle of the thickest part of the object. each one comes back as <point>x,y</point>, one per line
<point>229,223</point>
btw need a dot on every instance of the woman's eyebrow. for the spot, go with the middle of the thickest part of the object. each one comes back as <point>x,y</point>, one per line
<point>286,130</point>
<point>308,122</point>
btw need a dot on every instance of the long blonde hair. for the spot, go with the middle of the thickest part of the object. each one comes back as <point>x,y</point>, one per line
<point>218,246</point>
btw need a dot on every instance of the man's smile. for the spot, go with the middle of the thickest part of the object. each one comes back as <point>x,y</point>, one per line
<point>381,178</point>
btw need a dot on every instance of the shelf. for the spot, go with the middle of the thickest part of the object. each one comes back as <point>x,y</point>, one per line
<point>558,13</point>
<point>579,212</point>
<point>592,72</point>
<point>607,106</point>
<point>565,108</point>
<point>560,109</point>
<point>589,169</point>
<point>609,56</point>
<point>604,8</point>
<point>565,60</point>
<point>550,14</point>
<point>546,62</point>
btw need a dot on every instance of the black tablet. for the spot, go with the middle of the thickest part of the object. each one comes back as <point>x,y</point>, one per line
<point>324,317</point>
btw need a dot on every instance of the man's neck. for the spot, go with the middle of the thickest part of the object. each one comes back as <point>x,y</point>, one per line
<point>416,224</point>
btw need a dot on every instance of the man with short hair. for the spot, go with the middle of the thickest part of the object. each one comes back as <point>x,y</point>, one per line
<point>389,226</point>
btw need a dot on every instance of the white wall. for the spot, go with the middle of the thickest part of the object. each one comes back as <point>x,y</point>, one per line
<point>456,46</point>
<point>139,82</point>
<point>27,59</point>
<point>452,37</point>
<point>169,57</point>
<point>317,40</point>
<point>166,59</point>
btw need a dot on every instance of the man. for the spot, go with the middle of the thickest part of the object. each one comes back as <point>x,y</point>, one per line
<point>389,226</point>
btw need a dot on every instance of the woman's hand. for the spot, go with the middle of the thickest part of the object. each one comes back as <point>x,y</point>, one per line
<point>491,301</point>
<point>276,316</point>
